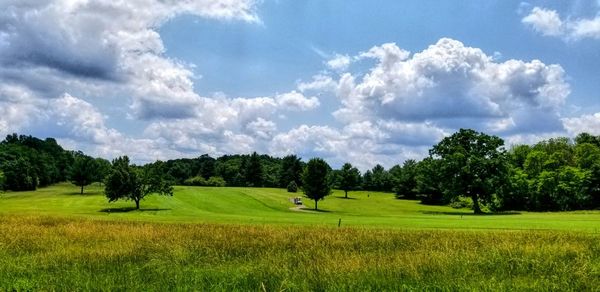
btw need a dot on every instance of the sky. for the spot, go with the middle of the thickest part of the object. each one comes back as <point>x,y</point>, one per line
<point>348,81</point>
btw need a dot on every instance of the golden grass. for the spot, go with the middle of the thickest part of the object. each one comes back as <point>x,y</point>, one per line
<point>52,253</point>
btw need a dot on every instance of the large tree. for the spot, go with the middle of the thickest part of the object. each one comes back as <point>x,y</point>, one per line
<point>84,171</point>
<point>473,165</point>
<point>349,178</point>
<point>126,182</point>
<point>316,184</point>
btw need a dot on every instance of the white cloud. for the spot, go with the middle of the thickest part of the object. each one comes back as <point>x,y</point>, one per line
<point>549,23</point>
<point>262,128</point>
<point>321,83</point>
<point>589,123</point>
<point>361,147</point>
<point>449,82</point>
<point>112,47</point>
<point>297,101</point>
<point>545,21</point>
<point>339,62</point>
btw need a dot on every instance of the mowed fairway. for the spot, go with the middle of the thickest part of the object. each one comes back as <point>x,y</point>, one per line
<point>272,206</point>
<point>227,239</point>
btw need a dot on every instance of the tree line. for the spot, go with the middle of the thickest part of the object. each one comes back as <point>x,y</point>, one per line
<point>468,168</point>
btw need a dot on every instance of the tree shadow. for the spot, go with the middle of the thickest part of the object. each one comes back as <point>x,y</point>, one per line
<point>129,209</point>
<point>348,198</point>
<point>470,214</point>
<point>84,194</point>
<point>313,210</point>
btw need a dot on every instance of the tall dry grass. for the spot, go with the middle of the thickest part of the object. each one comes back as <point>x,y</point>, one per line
<point>51,253</point>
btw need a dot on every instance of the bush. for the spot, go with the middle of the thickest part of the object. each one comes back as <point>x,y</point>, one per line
<point>195,181</point>
<point>292,187</point>
<point>213,181</point>
<point>216,181</point>
<point>462,203</point>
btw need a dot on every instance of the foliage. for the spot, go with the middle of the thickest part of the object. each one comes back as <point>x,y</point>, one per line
<point>292,187</point>
<point>29,162</point>
<point>406,180</point>
<point>316,184</point>
<point>2,181</point>
<point>216,181</point>
<point>129,183</point>
<point>290,170</point>
<point>253,171</point>
<point>429,182</point>
<point>84,171</point>
<point>195,181</point>
<point>473,165</point>
<point>349,178</point>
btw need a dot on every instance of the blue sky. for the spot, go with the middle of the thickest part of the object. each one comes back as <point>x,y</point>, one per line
<point>344,80</point>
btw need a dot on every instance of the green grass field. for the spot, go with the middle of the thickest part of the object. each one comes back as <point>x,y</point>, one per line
<point>228,239</point>
<point>272,206</point>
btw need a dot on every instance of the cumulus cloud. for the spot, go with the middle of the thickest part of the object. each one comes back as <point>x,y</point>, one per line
<point>297,101</point>
<point>112,47</point>
<point>448,83</point>
<point>548,23</point>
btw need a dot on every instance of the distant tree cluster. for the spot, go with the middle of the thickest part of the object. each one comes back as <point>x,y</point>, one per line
<point>28,162</point>
<point>252,170</point>
<point>556,174</point>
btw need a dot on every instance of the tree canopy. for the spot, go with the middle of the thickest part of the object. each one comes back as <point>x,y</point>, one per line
<point>84,171</point>
<point>316,184</point>
<point>473,165</point>
<point>349,178</point>
<point>130,183</point>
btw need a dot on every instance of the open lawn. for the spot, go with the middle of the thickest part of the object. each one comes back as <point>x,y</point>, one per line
<point>224,239</point>
<point>272,206</point>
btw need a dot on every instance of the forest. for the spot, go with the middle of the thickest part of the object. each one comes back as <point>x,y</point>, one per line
<point>467,169</point>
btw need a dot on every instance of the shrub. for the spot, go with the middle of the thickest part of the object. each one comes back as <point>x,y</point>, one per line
<point>216,181</point>
<point>195,181</point>
<point>292,187</point>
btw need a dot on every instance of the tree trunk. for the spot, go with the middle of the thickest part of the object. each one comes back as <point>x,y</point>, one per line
<point>346,194</point>
<point>316,202</point>
<point>476,207</point>
<point>81,189</point>
<point>137,204</point>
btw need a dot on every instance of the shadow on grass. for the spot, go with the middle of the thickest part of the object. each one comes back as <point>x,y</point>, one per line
<point>470,214</point>
<point>84,194</point>
<point>348,198</point>
<point>129,209</point>
<point>313,210</point>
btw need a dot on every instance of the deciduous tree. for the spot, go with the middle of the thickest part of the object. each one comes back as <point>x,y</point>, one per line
<point>128,183</point>
<point>349,178</point>
<point>83,171</point>
<point>316,184</point>
<point>473,165</point>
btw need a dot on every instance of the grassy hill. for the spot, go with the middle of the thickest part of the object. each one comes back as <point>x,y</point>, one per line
<point>272,206</point>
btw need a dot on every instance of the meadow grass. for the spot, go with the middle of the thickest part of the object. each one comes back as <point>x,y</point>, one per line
<point>52,253</point>
<point>272,206</point>
<point>224,239</point>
